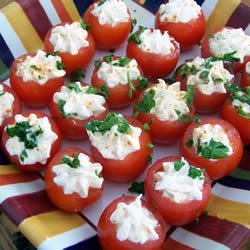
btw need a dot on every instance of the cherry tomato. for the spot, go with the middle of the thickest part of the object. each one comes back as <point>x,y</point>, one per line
<point>71,127</point>
<point>118,95</point>
<point>218,168</point>
<point>133,164</point>
<point>107,36</point>
<point>16,107</point>
<point>30,92</point>
<point>229,113</point>
<point>206,52</point>
<point>186,34</point>
<point>72,62</point>
<point>106,230</point>
<point>54,147</point>
<point>68,202</point>
<point>174,213</point>
<point>245,78</point>
<point>154,65</point>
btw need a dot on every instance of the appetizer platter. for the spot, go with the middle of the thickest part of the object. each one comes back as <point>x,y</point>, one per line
<point>129,130</point>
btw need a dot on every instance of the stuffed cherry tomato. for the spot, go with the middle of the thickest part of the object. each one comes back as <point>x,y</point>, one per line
<point>73,180</point>
<point>73,43</point>
<point>232,45</point>
<point>122,77</point>
<point>9,104</point>
<point>110,23</point>
<point>156,52</point>
<point>165,111</point>
<point>209,78</point>
<point>76,104</point>
<point>164,187</point>
<point>236,110</point>
<point>121,145</point>
<point>213,144</point>
<point>184,20</point>
<point>35,77</point>
<point>245,76</point>
<point>131,223</point>
<point>30,140</point>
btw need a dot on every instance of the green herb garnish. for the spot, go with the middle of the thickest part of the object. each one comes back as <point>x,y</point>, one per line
<point>136,36</point>
<point>190,143</point>
<point>2,93</point>
<point>108,58</point>
<point>229,57</point>
<point>211,36</point>
<point>143,83</point>
<point>59,65</point>
<point>178,165</point>
<point>101,2</point>
<point>97,63</point>
<point>74,86</point>
<point>23,155</point>
<point>52,53</point>
<point>190,94</point>
<point>85,26</point>
<point>131,86</point>
<point>34,67</point>
<point>184,117</point>
<point>134,22</point>
<point>146,126</point>
<point>196,120</point>
<point>64,115</point>
<point>103,91</point>
<point>72,162</point>
<point>204,75</point>
<point>149,145</point>
<point>77,75</point>
<point>137,187</point>
<point>149,159</point>
<point>147,102</point>
<point>122,62</point>
<point>194,172</point>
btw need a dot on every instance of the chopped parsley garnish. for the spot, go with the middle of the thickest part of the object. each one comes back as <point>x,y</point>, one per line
<point>101,3</point>
<point>217,80</point>
<point>242,113</point>
<point>34,67</point>
<point>77,75</point>
<point>2,93</point>
<point>131,86</point>
<point>52,53</point>
<point>74,86</point>
<point>23,155</point>
<point>190,143</point>
<point>196,173</point>
<point>85,26</point>
<point>211,36</point>
<point>147,102</point>
<point>137,187</point>
<point>108,58</point>
<point>204,75</point>
<point>178,165</point>
<point>98,175</point>
<point>186,70</point>
<point>184,117</point>
<point>59,65</point>
<point>97,63</point>
<point>64,115</point>
<point>136,36</point>
<point>110,120</point>
<point>122,62</point>
<point>102,91</point>
<point>143,83</point>
<point>229,57</point>
<point>196,120</point>
<point>190,94</point>
<point>146,126</point>
<point>73,163</point>
<point>149,145</point>
<point>134,22</point>
<point>149,159</point>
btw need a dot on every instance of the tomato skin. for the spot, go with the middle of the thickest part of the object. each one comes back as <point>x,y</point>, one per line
<point>107,36</point>
<point>17,106</point>
<point>30,92</point>
<point>245,79</point>
<point>229,114</point>
<point>68,202</point>
<point>186,34</point>
<point>132,165</point>
<point>119,95</point>
<point>163,132</point>
<point>71,127</point>
<point>206,52</point>
<point>153,65</point>
<point>106,230</point>
<point>221,167</point>
<point>54,148</point>
<point>72,62</point>
<point>175,213</point>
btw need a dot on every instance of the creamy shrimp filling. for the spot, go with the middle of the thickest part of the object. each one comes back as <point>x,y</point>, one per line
<point>6,104</point>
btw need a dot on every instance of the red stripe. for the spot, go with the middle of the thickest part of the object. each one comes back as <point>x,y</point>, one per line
<point>171,244</point>
<point>61,11</point>
<point>36,15</point>
<point>17,178</point>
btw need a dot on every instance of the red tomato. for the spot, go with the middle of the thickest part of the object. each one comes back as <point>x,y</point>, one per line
<point>221,167</point>
<point>163,132</point>
<point>186,34</point>
<point>16,108</point>
<point>119,95</point>
<point>106,230</point>
<point>229,113</point>
<point>30,92</point>
<point>174,213</point>
<point>71,127</point>
<point>206,52</point>
<point>68,202</point>
<point>245,79</point>
<point>133,164</point>
<point>107,36</point>
<point>54,148</point>
<point>154,65</point>
<point>72,62</point>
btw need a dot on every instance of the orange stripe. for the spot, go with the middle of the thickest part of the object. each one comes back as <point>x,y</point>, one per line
<point>17,178</point>
<point>8,169</point>
<point>61,11</point>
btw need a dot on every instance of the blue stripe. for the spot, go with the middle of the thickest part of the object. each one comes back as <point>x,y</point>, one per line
<point>235,183</point>
<point>90,244</point>
<point>5,53</point>
<point>82,6</point>
<point>3,159</point>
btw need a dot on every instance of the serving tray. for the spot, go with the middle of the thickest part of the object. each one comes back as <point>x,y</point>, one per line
<point>23,25</point>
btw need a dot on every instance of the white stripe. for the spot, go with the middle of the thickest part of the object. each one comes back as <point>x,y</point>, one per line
<point>195,241</point>
<point>11,38</point>
<point>11,190</point>
<point>50,11</point>
<point>208,7</point>
<point>68,238</point>
<point>247,30</point>
<point>232,194</point>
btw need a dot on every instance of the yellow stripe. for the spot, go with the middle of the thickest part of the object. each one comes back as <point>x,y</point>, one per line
<point>22,27</point>
<point>142,1</point>
<point>229,210</point>
<point>8,169</point>
<point>71,8</point>
<point>40,227</point>
<point>221,13</point>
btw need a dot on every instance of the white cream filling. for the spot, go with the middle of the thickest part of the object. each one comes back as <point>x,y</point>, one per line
<point>116,75</point>
<point>39,154</point>
<point>69,38</point>
<point>39,68</point>
<point>168,100</point>
<point>6,104</point>
<point>111,12</point>
<point>178,185</point>
<point>80,179</point>
<point>134,222</point>
<point>247,68</point>
<point>179,11</point>
<point>243,105</point>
